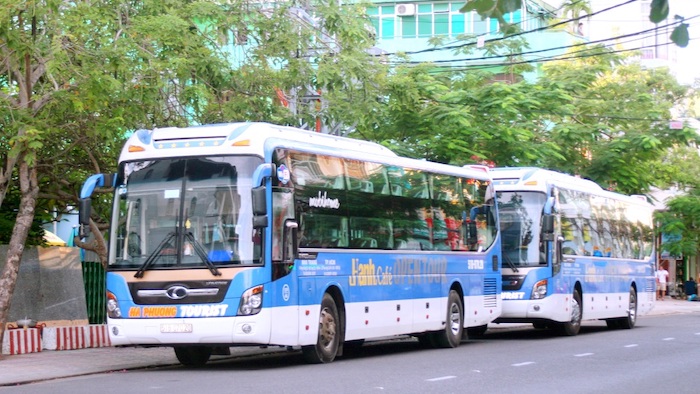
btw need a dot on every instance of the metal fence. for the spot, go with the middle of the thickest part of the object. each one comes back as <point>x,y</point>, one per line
<point>95,298</point>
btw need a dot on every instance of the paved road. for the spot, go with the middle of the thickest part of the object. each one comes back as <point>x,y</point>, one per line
<point>32,367</point>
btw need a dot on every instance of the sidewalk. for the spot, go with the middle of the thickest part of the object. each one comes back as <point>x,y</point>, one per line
<point>46,365</point>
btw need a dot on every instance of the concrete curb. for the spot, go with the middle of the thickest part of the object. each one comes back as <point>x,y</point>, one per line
<point>22,341</point>
<point>33,340</point>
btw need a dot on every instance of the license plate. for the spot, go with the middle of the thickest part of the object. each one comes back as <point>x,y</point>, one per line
<point>176,328</point>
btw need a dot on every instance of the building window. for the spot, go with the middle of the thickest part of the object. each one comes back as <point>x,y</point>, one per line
<point>433,19</point>
<point>458,19</point>
<point>408,27</point>
<point>383,20</point>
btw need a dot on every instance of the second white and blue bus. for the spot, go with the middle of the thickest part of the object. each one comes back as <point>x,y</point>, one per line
<point>572,251</point>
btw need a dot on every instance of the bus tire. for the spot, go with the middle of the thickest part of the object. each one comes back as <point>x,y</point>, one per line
<point>328,341</point>
<point>451,335</point>
<point>573,326</point>
<point>427,340</point>
<point>630,320</point>
<point>612,324</point>
<point>477,332</point>
<point>193,356</point>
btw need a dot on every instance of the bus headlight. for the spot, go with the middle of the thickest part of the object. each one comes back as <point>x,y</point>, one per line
<point>539,290</point>
<point>251,301</point>
<point>113,309</point>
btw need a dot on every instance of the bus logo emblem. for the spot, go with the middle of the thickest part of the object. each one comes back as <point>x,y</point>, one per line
<point>176,292</point>
<point>285,292</point>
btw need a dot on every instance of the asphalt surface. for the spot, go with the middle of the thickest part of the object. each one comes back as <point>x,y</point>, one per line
<point>50,364</point>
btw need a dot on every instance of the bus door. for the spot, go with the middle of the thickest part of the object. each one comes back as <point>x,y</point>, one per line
<point>284,288</point>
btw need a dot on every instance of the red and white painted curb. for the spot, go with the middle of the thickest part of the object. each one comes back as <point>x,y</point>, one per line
<point>97,335</point>
<point>21,341</point>
<point>31,340</point>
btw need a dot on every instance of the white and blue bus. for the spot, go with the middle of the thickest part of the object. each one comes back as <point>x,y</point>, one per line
<point>572,251</point>
<point>257,234</point>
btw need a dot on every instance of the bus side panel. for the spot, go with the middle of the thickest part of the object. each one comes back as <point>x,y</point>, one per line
<point>482,300</point>
<point>391,294</point>
<point>606,285</point>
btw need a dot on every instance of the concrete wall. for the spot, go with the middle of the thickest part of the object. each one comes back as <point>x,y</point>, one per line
<point>50,287</point>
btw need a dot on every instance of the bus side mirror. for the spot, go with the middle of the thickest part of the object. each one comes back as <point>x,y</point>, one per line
<point>84,208</point>
<point>548,227</point>
<point>471,233</point>
<point>259,206</point>
<point>94,181</point>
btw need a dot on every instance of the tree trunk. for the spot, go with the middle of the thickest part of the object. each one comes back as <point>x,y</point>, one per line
<point>97,245</point>
<point>25,216</point>
<point>6,171</point>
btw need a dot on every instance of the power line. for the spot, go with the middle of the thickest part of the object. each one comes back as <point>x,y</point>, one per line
<point>639,33</point>
<point>543,60</point>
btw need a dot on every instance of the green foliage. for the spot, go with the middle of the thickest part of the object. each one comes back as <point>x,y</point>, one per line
<point>600,117</point>
<point>680,35</point>
<point>111,68</point>
<point>658,11</point>
<point>104,69</point>
<point>681,223</point>
<point>8,213</point>
<point>617,126</point>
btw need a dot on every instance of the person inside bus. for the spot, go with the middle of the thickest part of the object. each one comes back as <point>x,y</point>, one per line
<point>511,239</point>
<point>597,252</point>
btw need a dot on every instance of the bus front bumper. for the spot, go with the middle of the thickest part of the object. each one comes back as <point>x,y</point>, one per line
<point>556,307</point>
<point>174,331</point>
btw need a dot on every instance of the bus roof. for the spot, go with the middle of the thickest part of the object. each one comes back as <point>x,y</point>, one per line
<point>539,179</point>
<point>258,138</point>
<point>231,138</point>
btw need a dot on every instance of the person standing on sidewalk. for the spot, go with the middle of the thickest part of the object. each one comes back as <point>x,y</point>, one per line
<point>661,281</point>
<point>691,290</point>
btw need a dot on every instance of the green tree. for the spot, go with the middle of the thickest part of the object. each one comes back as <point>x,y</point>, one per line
<point>600,117</point>
<point>680,222</point>
<point>616,128</point>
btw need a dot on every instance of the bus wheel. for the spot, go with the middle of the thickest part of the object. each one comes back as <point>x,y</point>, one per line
<point>630,320</point>
<point>451,335</point>
<point>427,340</point>
<point>328,340</point>
<point>477,332</point>
<point>572,327</point>
<point>193,356</point>
<point>612,324</point>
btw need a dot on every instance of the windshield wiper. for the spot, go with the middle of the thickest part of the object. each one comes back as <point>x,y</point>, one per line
<point>202,253</point>
<point>198,248</point>
<point>509,262</point>
<point>154,255</point>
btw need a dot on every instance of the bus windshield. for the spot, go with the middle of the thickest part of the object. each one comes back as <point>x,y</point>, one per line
<point>193,212</point>
<point>520,215</point>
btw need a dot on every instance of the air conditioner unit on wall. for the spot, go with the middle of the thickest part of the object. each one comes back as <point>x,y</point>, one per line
<point>405,9</point>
